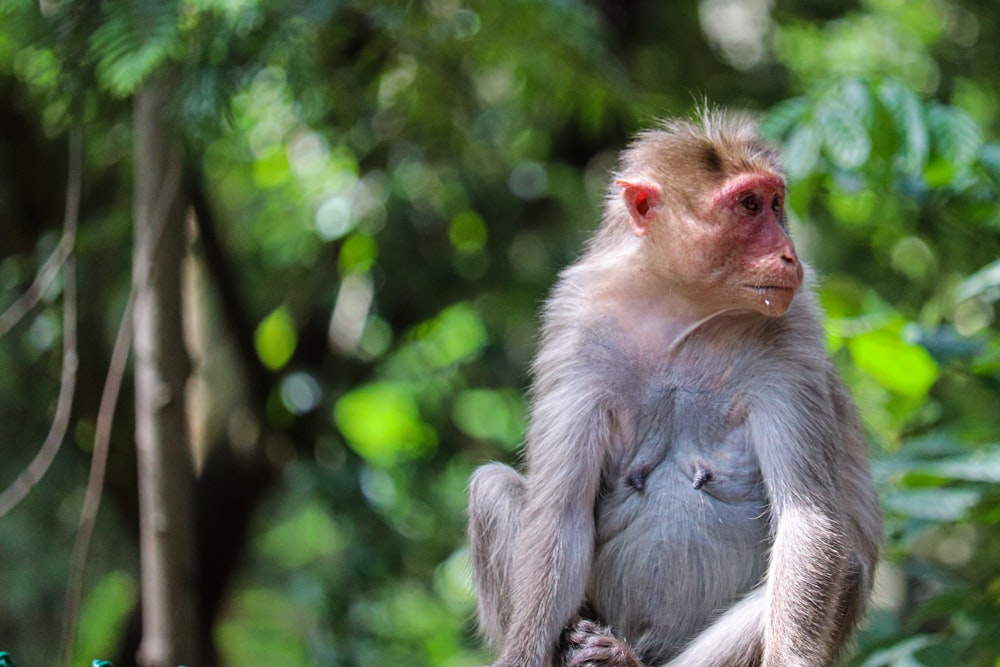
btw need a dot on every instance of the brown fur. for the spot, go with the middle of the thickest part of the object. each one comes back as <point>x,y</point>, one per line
<point>696,477</point>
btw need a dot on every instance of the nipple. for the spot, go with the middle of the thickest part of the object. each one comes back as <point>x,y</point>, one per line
<point>636,477</point>
<point>701,477</point>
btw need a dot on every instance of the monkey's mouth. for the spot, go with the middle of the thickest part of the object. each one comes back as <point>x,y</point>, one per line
<point>767,288</point>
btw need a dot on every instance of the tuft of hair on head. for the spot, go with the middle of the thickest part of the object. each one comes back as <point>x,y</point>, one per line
<point>688,155</point>
<point>688,158</point>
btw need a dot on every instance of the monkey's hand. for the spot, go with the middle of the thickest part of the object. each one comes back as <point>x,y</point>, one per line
<point>587,644</point>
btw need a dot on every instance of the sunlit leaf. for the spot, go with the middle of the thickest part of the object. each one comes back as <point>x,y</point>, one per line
<point>262,624</point>
<point>358,254</point>
<point>854,208</point>
<point>467,231</point>
<point>276,338</point>
<point>272,169</point>
<point>939,172</point>
<point>408,610</point>
<point>309,534</point>
<point>104,614</point>
<point>896,364</point>
<point>382,423</point>
<point>457,334</point>
<point>490,414</point>
<point>452,583</point>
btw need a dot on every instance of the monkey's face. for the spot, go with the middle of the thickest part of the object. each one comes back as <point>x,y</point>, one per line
<point>744,247</point>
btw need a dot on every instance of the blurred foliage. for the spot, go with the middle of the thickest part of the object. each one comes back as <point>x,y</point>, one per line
<point>392,187</point>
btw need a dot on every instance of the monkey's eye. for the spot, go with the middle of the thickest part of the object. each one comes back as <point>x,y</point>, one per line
<point>776,205</point>
<point>751,203</point>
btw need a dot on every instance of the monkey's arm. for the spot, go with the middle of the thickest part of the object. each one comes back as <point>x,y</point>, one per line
<point>790,619</point>
<point>800,446</point>
<point>555,544</point>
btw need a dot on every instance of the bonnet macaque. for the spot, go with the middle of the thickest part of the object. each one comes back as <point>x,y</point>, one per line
<point>696,490</point>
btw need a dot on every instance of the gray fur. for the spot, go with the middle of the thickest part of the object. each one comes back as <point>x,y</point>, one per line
<point>706,495</point>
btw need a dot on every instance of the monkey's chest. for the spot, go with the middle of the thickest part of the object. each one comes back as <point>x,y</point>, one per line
<point>681,494</point>
<point>685,451</point>
<point>682,522</point>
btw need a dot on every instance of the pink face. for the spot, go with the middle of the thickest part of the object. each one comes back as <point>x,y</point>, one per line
<point>750,245</point>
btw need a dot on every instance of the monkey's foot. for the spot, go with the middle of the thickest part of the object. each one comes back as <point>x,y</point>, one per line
<point>587,644</point>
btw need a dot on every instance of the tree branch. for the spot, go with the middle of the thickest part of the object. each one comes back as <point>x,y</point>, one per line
<point>35,470</point>
<point>95,483</point>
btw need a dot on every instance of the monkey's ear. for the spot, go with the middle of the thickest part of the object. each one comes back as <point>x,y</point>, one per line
<point>642,197</point>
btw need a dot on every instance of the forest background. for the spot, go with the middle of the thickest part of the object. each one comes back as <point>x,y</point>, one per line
<point>327,225</point>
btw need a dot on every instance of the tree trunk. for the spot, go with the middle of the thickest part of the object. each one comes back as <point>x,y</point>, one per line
<point>165,472</point>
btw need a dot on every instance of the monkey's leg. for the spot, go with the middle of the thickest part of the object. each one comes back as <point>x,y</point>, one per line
<point>854,593</point>
<point>735,639</point>
<point>496,494</point>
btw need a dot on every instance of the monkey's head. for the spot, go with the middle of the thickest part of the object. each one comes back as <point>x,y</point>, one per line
<point>707,204</point>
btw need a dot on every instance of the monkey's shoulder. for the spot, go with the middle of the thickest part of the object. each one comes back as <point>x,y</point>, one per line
<point>766,364</point>
<point>731,349</point>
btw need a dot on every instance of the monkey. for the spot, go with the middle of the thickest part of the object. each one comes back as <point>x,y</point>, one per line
<point>696,489</point>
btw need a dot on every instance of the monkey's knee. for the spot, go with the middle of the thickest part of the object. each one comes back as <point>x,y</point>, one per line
<point>855,590</point>
<point>495,498</point>
<point>495,483</point>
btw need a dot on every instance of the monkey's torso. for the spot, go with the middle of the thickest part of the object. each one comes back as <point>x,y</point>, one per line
<point>694,469</point>
<point>685,493</point>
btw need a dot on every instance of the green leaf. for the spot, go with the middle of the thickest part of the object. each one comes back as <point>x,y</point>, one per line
<point>939,172</point>
<point>956,135</point>
<point>934,504</point>
<point>906,112</point>
<point>900,654</point>
<point>129,48</point>
<point>855,94</point>
<point>983,284</point>
<point>801,152</point>
<point>299,540</point>
<point>357,254</point>
<point>276,338</point>
<point>104,615</point>
<point>456,335</point>
<point>271,169</point>
<point>989,157</point>
<point>382,423</point>
<point>845,136</point>
<point>490,414</point>
<point>782,117</point>
<point>467,232</point>
<point>263,627</point>
<point>902,367</point>
<point>982,465</point>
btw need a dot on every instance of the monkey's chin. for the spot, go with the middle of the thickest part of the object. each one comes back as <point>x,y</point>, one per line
<point>772,300</point>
